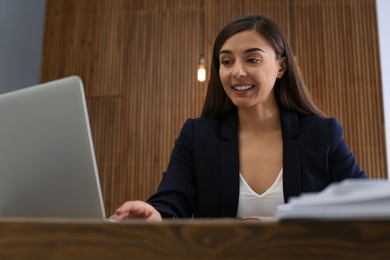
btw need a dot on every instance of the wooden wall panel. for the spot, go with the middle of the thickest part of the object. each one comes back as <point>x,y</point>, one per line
<point>336,45</point>
<point>138,61</point>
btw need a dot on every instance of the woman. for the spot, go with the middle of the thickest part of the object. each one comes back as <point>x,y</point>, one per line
<point>259,141</point>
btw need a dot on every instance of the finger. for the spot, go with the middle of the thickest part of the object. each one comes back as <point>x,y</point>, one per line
<point>128,206</point>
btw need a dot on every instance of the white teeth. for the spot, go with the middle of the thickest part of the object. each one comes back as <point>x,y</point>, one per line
<point>242,88</point>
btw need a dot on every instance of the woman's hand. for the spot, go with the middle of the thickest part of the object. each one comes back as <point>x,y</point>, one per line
<point>136,209</point>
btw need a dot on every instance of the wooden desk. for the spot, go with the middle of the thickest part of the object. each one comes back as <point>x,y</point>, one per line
<point>224,239</point>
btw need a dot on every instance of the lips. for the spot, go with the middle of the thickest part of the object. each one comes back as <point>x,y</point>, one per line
<point>243,88</point>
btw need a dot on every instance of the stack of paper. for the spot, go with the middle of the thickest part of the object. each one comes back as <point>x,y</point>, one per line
<point>349,199</point>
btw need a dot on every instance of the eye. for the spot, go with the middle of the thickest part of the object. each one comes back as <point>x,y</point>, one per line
<point>226,62</point>
<point>253,60</point>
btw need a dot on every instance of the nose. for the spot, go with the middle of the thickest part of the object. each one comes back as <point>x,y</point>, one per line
<point>238,70</point>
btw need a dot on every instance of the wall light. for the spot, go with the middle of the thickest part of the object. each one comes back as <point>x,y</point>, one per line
<point>201,69</point>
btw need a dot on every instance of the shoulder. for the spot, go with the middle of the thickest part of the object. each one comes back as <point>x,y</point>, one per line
<point>199,124</point>
<point>209,123</point>
<point>319,129</point>
<point>318,122</point>
<point>202,121</point>
<point>210,129</point>
<point>294,124</point>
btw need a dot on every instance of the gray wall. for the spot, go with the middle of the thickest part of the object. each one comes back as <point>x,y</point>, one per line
<point>21,37</point>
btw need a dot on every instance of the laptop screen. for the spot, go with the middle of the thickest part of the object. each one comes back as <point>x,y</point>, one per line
<point>47,159</point>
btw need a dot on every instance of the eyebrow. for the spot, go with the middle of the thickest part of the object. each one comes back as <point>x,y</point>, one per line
<point>246,51</point>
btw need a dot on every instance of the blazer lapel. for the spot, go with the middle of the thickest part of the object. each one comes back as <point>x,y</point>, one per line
<point>291,154</point>
<point>229,167</point>
<point>229,161</point>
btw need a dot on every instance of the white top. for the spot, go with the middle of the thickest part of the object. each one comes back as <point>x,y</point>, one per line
<point>252,204</point>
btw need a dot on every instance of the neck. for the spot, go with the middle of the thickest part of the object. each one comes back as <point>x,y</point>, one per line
<point>259,119</point>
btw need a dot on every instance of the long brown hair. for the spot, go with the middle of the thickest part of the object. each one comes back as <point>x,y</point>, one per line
<point>290,90</point>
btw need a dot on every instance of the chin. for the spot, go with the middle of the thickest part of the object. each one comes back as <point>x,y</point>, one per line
<point>243,105</point>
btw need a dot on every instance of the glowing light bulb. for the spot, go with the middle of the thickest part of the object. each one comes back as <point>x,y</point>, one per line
<point>201,73</point>
<point>201,70</point>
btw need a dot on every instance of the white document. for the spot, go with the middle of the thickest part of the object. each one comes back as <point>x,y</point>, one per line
<point>349,199</point>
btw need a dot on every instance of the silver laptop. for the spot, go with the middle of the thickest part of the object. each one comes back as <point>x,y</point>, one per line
<point>47,160</point>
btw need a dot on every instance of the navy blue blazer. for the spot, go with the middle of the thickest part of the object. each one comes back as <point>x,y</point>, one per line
<point>202,177</point>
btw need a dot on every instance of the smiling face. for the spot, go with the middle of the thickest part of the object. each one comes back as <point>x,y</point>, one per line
<point>248,70</point>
